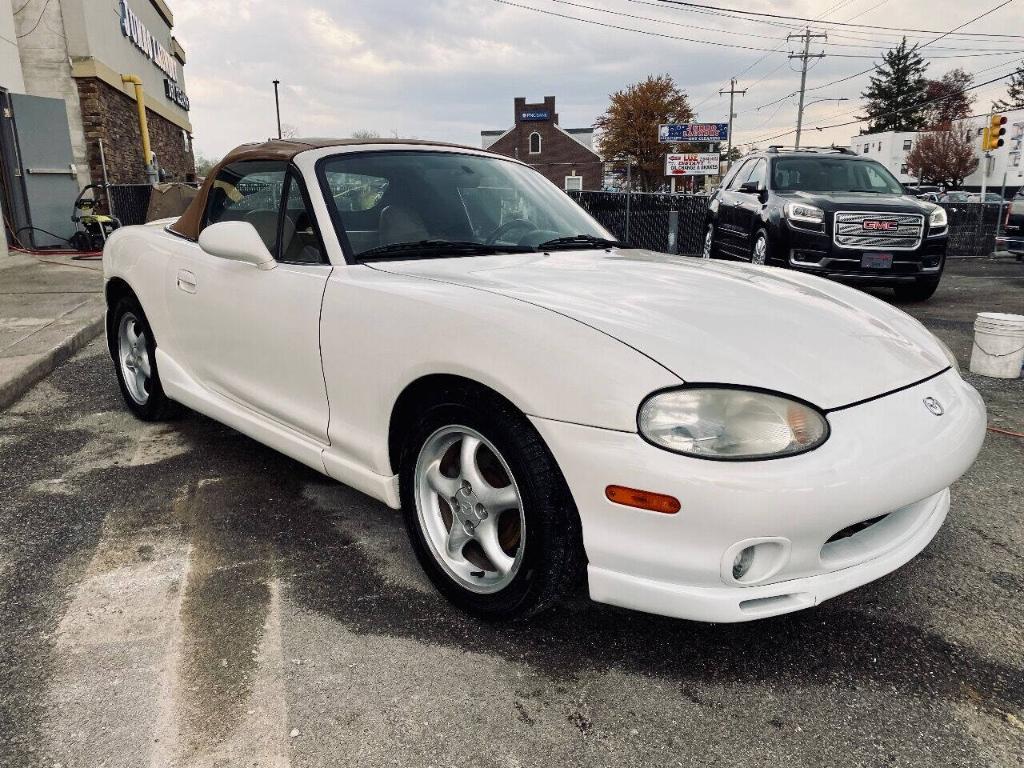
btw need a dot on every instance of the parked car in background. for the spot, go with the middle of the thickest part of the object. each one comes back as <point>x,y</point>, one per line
<point>445,330</point>
<point>924,191</point>
<point>828,212</point>
<point>1013,225</point>
<point>955,197</point>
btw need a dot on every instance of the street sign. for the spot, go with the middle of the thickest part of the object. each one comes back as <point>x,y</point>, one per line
<point>671,133</point>
<point>692,164</point>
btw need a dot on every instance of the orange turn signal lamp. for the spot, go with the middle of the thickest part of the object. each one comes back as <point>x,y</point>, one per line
<point>632,497</point>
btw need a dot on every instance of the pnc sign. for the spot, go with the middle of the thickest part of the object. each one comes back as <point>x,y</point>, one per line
<point>143,39</point>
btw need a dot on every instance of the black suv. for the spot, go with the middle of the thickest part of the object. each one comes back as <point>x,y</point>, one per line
<point>832,213</point>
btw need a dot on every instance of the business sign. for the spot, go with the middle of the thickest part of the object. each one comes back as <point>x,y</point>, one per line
<point>143,39</point>
<point>671,133</point>
<point>175,93</point>
<point>534,114</point>
<point>692,164</point>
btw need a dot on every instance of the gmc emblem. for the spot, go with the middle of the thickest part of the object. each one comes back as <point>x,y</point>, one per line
<point>880,225</point>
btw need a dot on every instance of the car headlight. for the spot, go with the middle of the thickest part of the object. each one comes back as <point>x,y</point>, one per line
<point>727,423</point>
<point>808,214</point>
<point>938,219</point>
<point>953,362</point>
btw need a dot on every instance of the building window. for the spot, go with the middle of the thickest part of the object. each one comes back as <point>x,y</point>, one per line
<point>573,183</point>
<point>903,169</point>
<point>866,148</point>
<point>907,144</point>
<point>534,143</point>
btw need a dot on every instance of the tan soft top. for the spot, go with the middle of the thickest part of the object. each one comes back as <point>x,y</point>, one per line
<point>191,221</point>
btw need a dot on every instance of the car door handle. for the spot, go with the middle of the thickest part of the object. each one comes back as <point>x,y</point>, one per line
<point>186,281</point>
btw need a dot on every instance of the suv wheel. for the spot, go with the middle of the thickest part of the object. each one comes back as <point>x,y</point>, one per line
<point>709,242</point>
<point>761,250</point>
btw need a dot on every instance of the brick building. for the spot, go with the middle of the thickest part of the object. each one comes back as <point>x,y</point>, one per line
<point>78,51</point>
<point>565,156</point>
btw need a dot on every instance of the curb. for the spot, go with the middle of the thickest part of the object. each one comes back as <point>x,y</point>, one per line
<point>43,365</point>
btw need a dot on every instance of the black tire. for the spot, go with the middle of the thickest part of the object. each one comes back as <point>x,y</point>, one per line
<point>158,407</point>
<point>553,559</point>
<point>761,234</point>
<point>921,290</point>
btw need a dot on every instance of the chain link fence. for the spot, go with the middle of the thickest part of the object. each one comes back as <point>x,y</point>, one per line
<point>675,223</point>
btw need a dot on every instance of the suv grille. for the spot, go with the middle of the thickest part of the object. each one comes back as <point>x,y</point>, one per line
<point>877,230</point>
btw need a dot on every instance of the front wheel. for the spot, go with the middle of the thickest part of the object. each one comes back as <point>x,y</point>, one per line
<point>921,290</point>
<point>489,516</point>
<point>762,248</point>
<point>709,242</point>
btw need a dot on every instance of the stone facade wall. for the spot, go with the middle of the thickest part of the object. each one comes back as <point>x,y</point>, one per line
<point>111,115</point>
<point>560,155</point>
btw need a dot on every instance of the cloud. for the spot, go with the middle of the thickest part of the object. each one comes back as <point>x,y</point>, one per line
<point>447,69</point>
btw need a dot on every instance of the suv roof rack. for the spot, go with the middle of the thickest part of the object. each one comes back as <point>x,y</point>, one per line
<point>774,149</point>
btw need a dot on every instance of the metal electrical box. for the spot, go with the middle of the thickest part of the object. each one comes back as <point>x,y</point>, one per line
<point>39,174</point>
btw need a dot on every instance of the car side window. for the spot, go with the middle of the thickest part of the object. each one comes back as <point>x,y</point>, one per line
<point>741,175</point>
<point>758,173</point>
<point>300,239</point>
<point>250,191</point>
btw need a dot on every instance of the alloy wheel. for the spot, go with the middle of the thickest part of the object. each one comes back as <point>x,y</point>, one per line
<point>760,255</point>
<point>469,508</point>
<point>709,239</point>
<point>133,356</point>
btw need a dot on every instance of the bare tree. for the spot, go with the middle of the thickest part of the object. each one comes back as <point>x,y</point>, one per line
<point>289,131</point>
<point>945,156</point>
<point>365,134</point>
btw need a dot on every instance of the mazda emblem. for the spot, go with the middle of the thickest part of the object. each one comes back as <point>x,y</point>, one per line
<point>934,406</point>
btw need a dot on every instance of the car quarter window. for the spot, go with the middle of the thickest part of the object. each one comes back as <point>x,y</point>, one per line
<point>250,191</point>
<point>299,236</point>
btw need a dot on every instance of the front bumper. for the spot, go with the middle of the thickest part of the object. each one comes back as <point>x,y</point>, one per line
<point>890,457</point>
<point>816,253</point>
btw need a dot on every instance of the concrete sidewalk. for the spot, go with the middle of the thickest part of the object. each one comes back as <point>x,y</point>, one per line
<point>50,307</point>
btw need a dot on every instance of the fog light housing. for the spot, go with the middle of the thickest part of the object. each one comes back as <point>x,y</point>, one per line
<point>742,562</point>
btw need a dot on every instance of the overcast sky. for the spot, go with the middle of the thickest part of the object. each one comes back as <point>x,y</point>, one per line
<point>447,69</point>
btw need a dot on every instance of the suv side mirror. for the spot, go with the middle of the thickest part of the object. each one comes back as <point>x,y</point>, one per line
<point>236,241</point>
<point>751,187</point>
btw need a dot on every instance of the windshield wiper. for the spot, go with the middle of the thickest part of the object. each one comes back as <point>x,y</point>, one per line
<point>578,241</point>
<point>438,245</point>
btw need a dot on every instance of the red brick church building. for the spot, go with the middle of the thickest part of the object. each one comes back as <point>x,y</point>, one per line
<point>565,156</point>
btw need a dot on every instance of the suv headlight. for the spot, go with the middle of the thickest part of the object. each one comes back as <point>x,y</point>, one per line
<point>938,219</point>
<point>808,214</point>
<point>730,424</point>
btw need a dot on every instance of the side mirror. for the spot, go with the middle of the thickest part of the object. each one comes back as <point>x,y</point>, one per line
<point>236,241</point>
<point>750,187</point>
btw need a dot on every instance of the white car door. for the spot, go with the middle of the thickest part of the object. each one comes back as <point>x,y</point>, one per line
<point>249,334</point>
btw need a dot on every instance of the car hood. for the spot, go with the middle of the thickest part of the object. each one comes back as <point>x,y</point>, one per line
<point>832,201</point>
<point>711,321</point>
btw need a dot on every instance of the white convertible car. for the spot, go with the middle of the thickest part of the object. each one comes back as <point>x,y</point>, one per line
<point>446,331</point>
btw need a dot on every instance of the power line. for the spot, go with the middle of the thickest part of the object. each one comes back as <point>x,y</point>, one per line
<point>958,92</point>
<point>834,23</point>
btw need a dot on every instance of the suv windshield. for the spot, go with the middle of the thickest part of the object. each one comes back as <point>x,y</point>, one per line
<point>410,203</point>
<point>827,174</point>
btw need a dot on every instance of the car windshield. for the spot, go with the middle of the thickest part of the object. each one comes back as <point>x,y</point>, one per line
<point>411,203</point>
<point>826,174</point>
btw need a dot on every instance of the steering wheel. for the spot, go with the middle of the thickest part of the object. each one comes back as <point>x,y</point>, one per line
<point>508,226</point>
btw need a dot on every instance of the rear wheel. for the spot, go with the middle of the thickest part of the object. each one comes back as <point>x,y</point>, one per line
<point>134,351</point>
<point>488,513</point>
<point>921,290</point>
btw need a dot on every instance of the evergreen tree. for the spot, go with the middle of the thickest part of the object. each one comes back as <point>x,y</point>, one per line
<point>1014,93</point>
<point>897,93</point>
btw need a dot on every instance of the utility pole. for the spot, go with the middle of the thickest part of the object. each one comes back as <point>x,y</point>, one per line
<point>277,107</point>
<point>732,94</point>
<point>806,36</point>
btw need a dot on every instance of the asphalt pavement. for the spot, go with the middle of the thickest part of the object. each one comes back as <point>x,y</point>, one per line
<point>178,595</point>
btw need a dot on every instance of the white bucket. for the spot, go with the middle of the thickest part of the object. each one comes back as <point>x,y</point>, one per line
<point>998,349</point>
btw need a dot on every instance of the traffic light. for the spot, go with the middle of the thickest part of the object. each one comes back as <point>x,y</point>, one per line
<point>993,135</point>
